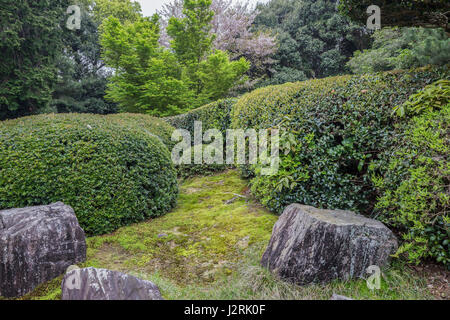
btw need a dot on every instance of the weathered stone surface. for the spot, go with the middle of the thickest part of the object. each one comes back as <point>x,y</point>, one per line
<point>312,245</point>
<point>102,284</point>
<point>37,244</point>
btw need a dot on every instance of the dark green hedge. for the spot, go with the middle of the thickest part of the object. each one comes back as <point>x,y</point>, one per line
<point>191,170</point>
<point>215,115</point>
<point>112,175</point>
<point>340,124</point>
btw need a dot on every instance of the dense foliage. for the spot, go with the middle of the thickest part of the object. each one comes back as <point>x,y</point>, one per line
<point>31,36</point>
<point>405,13</point>
<point>215,115</point>
<point>340,124</point>
<point>232,26</point>
<point>124,10</point>
<point>413,176</point>
<point>151,125</point>
<point>152,79</point>
<point>315,41</point>
<point>402,48</point>
<point>112,175</point>
<point>82,76</point>
<point>148,78</point>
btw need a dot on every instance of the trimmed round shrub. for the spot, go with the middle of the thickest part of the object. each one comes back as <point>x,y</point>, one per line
<point>333,129</point>
<point>149,124</point>
<point>112,175</point>
<point>413,179</point>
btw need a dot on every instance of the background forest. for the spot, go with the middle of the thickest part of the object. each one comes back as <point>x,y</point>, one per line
<point>186,56</point>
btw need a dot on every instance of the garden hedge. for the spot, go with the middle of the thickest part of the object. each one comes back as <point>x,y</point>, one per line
<point>112,175</point>
<point>215,115</point>
<point>340,124</point>
<point>147,123</point>
<point>334,131</point>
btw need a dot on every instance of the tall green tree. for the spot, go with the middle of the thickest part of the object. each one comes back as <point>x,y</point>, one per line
<point>147,77</point>
<point>82,76</point>
<point>191,37</point>
<point>314,39</point>
<point>31,39</point>
<point>164,81</point>
<point>210,73</point>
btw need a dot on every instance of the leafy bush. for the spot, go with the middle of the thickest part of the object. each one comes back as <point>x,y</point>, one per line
<point>215,115</point>
<point>339,125</point>
<point>413,181</point>
<point>191,170</point>
<point>433,96</point>
<point>110,174</point>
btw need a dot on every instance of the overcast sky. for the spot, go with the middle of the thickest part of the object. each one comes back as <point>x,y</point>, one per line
<point>149,6</point>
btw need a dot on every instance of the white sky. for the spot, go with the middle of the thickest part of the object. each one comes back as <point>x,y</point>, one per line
<point>149,6</point>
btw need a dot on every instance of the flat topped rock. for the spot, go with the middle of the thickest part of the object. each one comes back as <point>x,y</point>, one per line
<point>37,244</point>
<point>313,245</point>
<point>338,217</point>
<point>21,219</point>
<point>103,284</point>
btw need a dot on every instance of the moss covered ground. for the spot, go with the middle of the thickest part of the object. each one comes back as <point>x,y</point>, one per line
<point>209,247</point>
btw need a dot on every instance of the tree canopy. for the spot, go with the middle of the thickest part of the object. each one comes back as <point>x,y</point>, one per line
<point>402,48</point>
<point>314,39</point>
<point>403,13</point>
<point>31,37</point>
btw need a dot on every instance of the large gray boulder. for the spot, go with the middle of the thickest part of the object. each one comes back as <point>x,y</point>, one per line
<point>102,284</point>
<point>37,244</point>
<point>313,245</point>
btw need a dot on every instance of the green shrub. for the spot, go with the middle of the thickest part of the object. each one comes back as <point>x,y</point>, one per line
<point>414,185</point>
<point>215,115</point>
<point>110,174</point>
<point>433,96</point>
<point>149,124</point>
<point>339,125</point>
<point>191,170</point>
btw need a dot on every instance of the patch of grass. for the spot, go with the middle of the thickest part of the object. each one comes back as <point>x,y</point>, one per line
<point>210,246</point>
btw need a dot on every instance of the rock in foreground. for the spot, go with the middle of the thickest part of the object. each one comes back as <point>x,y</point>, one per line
<point>313,245</point>
<point>37,244</point>
<point>102,284</point>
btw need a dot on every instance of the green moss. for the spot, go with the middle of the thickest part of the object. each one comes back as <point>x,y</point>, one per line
<point>202,238</point>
